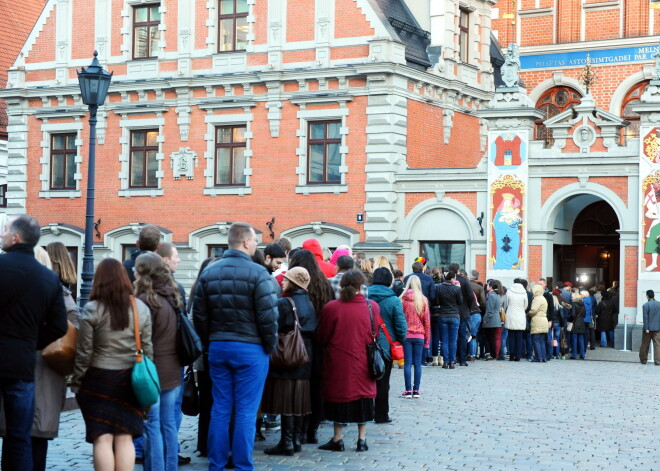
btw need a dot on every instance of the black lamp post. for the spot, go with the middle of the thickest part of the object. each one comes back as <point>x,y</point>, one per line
<point>94,83</point>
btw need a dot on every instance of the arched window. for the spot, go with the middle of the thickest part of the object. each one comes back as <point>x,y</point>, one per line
<point>631,99</point>
<point>553,102</point>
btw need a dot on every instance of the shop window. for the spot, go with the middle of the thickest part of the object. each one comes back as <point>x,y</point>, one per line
<point>232,25</point>
<point>554,101</point>
<point>442,253</point>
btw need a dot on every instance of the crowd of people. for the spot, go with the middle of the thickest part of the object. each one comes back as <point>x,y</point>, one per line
<point>243,306</point>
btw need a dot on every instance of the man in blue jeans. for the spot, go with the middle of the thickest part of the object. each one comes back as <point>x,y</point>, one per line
<point>33,316</point>
<point>235,314</point>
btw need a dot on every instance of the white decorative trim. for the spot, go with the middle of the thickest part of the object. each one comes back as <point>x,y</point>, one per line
<point>128,125</point>
<point>48,130</point>
<point>127,235</point>
<point>612,5</point>
<point>321,188</point>
<point>212,121</point>
<point>328,234</point>
<point>625,85</point>
<point>532,13</point>
<point>215,234</point>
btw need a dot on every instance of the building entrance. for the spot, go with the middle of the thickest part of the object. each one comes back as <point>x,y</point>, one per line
<point>591,254</point>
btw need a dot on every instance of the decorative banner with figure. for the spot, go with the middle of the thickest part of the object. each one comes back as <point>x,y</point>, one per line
<point>651,146</point>
<point>507,224</point>
<point>651,221</point>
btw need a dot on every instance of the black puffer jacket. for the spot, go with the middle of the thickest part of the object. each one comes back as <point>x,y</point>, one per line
<point>449,298</point>
<point>32,311</point>
<point>235,302</point>
<point>307,319</point>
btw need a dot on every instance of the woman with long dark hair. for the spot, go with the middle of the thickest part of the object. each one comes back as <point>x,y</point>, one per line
<point>320,293</point>
<point>104,360</point>
<point>287,389</point>
<point>155,286</point>
<point>492,322</point>
<point>345,328</point>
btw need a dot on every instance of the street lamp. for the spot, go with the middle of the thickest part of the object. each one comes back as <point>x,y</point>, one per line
<point>94,83</point>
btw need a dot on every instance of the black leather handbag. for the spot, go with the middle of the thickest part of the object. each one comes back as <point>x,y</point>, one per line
<point>188,344</point>
<point>190,400</point>
<point>375,354</point>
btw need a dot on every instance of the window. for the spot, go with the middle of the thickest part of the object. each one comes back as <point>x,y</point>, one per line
<point>63,166</point>
<point>232,25</point>
<point>323,152</point>
<point>441,254</point>
<point>463,31</point>
<point>127,251</point>
<point>230,155</point>
<point>554,101</point>
<point>627,113</point>
<point>145,31</point>
<point>3,196</point>
<point>216,250</point>
<point>143,162</point>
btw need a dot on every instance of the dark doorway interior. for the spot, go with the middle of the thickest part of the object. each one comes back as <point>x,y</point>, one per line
<point>594,255</point>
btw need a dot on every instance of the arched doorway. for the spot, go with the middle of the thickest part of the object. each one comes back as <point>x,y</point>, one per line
<point>589,252</point>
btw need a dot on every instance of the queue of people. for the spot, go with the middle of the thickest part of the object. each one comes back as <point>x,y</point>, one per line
<point>244,306</point>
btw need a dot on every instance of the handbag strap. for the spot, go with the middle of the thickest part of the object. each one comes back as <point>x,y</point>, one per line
<point>136,324</point>
<point>295,312</point>
<point>371,316</point>
<point>387,334</point>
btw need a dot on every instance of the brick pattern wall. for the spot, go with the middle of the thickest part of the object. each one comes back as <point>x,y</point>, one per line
<point>260,25</point>
<point>607,22</point>
<point>536,30</point>
<point>467,198</point>
<point>617,184</point>
<point>300,21</point>
<point>44,49</point>
<point>535,262</point>
<point>568,21</point>
<point>480,266</point>
<point>350,22</point>
<point>636,18</point>
<point>631,273</point>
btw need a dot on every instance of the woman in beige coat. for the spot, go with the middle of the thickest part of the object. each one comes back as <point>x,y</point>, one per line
<point>539,328</point>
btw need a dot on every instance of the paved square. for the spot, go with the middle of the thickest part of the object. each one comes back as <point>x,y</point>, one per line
<point>563,415</point>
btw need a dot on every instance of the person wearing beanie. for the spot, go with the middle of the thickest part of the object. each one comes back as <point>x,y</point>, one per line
<point>391,311</point>
<point>287,391</point>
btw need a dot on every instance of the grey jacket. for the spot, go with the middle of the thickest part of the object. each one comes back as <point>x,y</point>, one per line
<point>101,347</point>
<point>492,316</point>
<point>651,315</point>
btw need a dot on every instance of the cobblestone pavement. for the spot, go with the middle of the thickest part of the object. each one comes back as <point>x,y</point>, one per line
<point>563,415</point>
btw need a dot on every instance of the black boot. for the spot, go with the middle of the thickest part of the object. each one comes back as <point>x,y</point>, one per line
<point>303,429</point>
<point>312,431</point>
<point>297,433</point>
<point>285,446</point>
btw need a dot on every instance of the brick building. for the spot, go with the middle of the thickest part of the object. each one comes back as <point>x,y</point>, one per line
<point>374,123</point>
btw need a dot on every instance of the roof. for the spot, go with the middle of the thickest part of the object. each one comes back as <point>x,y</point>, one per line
<point>16,22</point>
<point>401,20</point>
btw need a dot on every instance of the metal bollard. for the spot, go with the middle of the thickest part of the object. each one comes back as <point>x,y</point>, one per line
<point>625,333</point>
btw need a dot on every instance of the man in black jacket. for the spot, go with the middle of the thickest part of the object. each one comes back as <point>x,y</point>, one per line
<point>33,315</point>
<point>235,314</point>
<point>468,306</point>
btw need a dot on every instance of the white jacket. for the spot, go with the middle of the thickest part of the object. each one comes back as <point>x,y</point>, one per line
<point>515,305</point>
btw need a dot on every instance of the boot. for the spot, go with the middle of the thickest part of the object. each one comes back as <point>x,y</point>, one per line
<point>435,361</point>
<point>285,446</point>
<point>303,429</point>
<point>298,433</point>
<point>312,431</point>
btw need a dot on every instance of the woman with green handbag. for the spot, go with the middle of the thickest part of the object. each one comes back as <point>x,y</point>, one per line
<point>104,361</point>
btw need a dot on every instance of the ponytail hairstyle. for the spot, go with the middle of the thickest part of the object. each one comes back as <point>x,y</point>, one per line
<point>419,300</point>
<point>350,283</point>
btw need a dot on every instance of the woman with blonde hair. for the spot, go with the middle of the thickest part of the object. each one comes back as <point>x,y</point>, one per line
<point>381,261</point>
<point>418,336</point>
<point>155,286</point>
<point>367,269</point>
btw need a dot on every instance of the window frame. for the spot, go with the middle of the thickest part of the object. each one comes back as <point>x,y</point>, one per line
<point>548,98</point>
<point>155,148</point>
<point>632,130</point>
<point>325,141</point>
<point>211,247</point>
<point>67,153</point>
<point>464,35</point>
<point>3,195</point>
<point>445,243</point>
<point>234,17</point>
<point>232,145</point>
<point>148,24</point>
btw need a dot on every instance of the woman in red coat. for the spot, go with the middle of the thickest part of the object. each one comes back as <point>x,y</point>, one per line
<point>345,329</point>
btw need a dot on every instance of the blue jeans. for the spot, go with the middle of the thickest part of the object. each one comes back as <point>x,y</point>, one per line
<point>607,338</point>
<point>463,334</point>
<point>578,345</point>
<point>539,341</point>
<point>554,334</point>
<point>18,401</point>
<point>448,336</point>
<point>238,371</point>
<point>527,345</point>
<point>504,347</point>
<point>435,336</point>
<point>473,324</point>
<point>412,356</point>
<point>161,446</point>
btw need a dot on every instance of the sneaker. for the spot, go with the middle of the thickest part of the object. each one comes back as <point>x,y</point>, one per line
<point>415,394</point>
<point>407,395</point>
